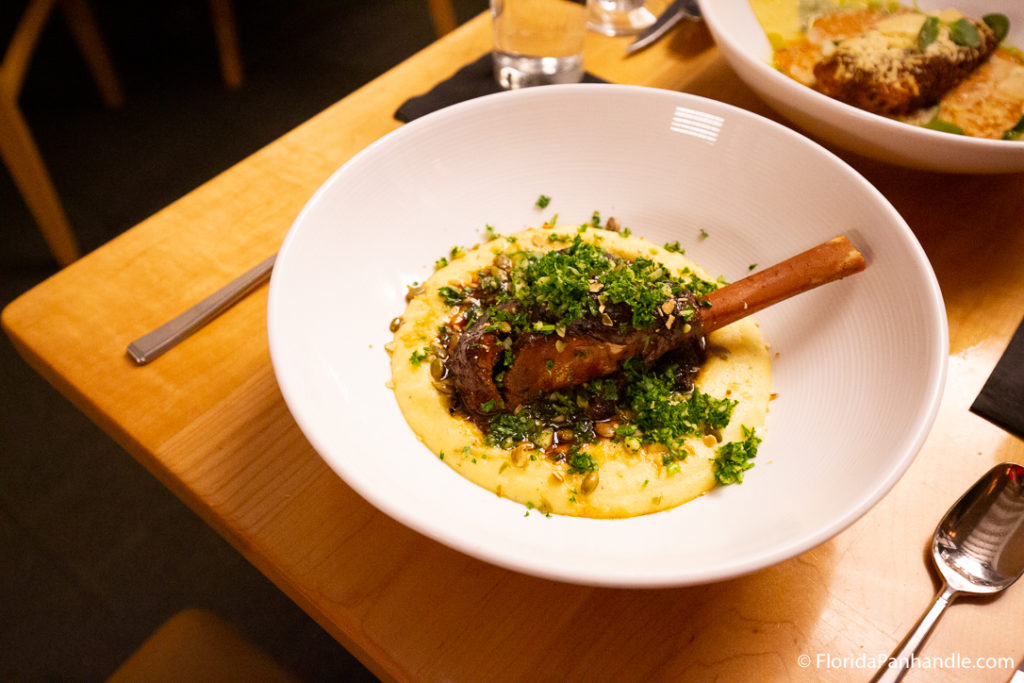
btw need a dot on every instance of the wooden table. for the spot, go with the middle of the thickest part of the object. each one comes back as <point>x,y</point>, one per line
<point>208,420</point>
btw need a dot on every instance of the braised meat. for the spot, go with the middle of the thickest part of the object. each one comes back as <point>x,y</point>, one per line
<point>868,73</point>
<point>471,367</point>
<point>496,366</point>
<point>596,346</point>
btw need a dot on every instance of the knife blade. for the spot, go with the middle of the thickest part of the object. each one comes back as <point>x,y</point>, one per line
<point>673,14</point>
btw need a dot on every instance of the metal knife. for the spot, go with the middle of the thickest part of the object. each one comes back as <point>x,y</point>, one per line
<point>151,345</point>
<point>673,14</point>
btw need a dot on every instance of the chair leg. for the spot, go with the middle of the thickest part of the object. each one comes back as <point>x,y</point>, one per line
<point>21,156</point>
<point>226,32</point>
<point>443,15</point>
<point>86,33</point>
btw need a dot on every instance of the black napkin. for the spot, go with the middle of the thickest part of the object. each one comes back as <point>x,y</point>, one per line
<point>1001,400</point>
<point>473,80</point>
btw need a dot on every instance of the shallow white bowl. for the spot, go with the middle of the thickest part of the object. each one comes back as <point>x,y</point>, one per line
<point>746,48</point>
<point>860,363</point>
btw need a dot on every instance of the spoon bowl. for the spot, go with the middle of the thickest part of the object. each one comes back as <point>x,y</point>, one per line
<point>978,548</point>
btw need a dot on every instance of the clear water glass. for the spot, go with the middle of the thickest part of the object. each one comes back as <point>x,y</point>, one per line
<point>538,42</point>
<point>618,17</point>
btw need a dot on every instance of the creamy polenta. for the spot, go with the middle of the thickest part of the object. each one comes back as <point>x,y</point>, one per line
<point>623,476</point>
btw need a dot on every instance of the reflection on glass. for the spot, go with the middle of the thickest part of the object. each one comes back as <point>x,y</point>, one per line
<point>618,17</point>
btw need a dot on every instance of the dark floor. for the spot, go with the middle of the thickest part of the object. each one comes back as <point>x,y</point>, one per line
<point>94,553</point>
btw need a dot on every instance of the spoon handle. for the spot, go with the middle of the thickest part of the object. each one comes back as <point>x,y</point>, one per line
<point>902,657</point>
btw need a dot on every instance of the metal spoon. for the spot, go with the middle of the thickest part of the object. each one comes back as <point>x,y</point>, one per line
<point>978,548</point>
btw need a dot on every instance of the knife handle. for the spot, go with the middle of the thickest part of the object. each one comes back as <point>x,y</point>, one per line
<point>149,346</point>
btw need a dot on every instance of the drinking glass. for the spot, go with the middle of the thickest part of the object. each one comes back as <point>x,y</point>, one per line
<point>538,42</point>
<point>618,17</point>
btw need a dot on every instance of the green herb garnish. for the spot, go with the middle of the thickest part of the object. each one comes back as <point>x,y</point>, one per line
<point>1017,132</point>
<point>419,356</point>
<point>999,24</point>
<point>580,463</point>
<point>452,296</point>
<point>674,247</point>
<point>928,33</point>
<point>944,126</point>
<point>964,32</point>
<point>733,459</point>
<point>543,201</point>
<point>665,416</point>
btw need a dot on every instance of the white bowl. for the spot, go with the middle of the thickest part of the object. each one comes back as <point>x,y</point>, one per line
<point>745,46</point>
<point>860,363</point>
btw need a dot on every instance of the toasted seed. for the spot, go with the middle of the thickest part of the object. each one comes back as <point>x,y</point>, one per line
<point>668,306</point>
<point>719,351</point>
<point>612,224</point>
<point>606,429</point>
<point>443,386</point>
<point>566,435</point>
<point>395,324</point>
<point>437,369</point>
<point>414,292</point>
<point>520,455</point>
<point>590,482</point>
<point>503,261</point>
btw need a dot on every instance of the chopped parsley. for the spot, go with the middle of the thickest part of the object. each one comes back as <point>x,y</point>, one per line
<point>559,284</point>
<point>419,356</point>
<point>674,247</point>
<point>580,463</point>
<point>665,416</point>
<point>733,459</point>
<point>543,201</point>
<point>452,296</point>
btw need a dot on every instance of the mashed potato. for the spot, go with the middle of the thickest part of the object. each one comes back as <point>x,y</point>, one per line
<point>628,477</point>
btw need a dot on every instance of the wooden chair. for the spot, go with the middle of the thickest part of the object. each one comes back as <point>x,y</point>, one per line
<point>196,645</point>
<point>18,149</point>
<point>442,14</point>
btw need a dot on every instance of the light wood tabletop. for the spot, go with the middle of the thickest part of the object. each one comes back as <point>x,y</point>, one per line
<point>208,420</point>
